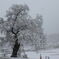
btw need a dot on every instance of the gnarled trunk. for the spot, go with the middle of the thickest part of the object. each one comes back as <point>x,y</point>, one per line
<point>15,48</point>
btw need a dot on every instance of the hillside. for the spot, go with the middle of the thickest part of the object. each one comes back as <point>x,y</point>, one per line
<point>53,41</point>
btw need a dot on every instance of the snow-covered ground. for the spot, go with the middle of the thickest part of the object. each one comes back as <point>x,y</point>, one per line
<point>52,54</point>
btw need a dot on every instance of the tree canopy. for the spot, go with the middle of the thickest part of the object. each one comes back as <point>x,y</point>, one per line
<point>20,25</point>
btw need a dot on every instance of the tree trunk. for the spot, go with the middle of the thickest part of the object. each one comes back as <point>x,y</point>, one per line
<point>15,49</point>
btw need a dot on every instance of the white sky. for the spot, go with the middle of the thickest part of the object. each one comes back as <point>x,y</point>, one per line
<point>48,8</point>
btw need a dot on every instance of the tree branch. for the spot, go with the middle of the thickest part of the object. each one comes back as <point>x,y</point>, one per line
<point>12,30</point>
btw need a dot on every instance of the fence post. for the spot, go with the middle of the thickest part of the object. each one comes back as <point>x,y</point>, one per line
<point>40,56</point>
<point>48,57</point>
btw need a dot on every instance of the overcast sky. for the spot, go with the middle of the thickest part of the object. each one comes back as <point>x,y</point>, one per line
<point>48,8</point>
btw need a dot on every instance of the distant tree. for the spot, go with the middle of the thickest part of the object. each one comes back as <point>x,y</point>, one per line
<point>21,28</point>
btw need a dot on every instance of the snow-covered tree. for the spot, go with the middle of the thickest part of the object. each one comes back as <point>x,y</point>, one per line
<point>21,28</point>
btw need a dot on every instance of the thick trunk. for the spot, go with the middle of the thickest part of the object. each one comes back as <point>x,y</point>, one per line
<point>15,49</point>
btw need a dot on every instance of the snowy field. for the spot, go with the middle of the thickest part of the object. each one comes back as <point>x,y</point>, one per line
<point>52,54</point>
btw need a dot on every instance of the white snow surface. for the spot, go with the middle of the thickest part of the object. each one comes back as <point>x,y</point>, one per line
<point>52,54</point>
